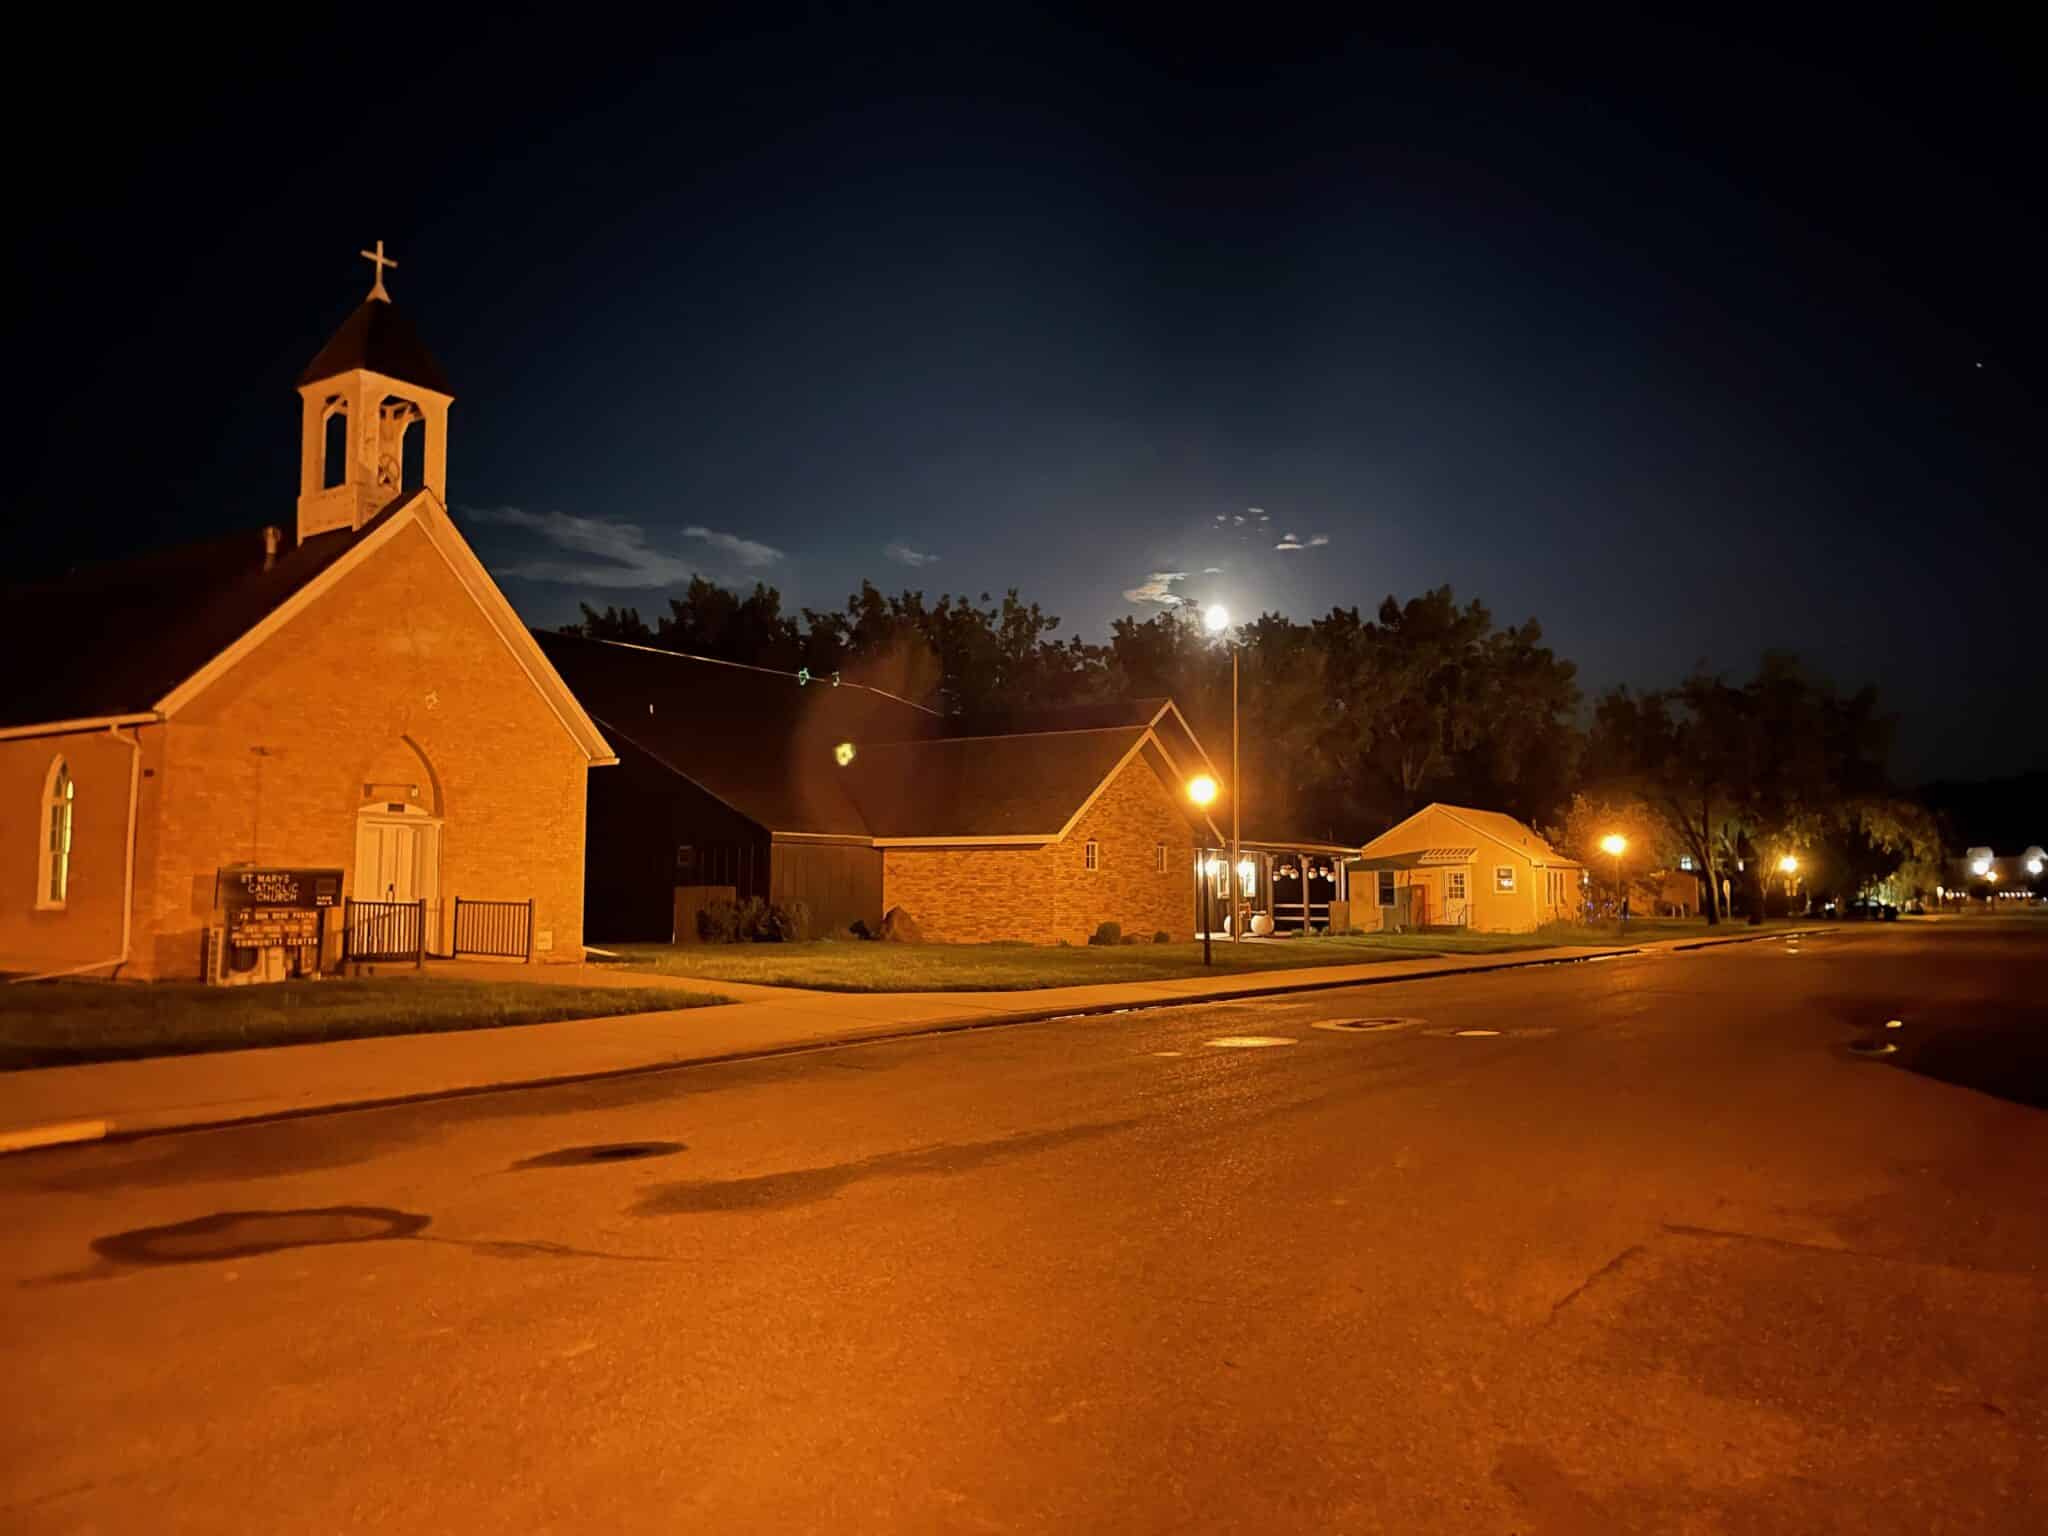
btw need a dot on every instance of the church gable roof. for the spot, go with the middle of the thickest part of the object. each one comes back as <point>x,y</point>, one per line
<point>753,737</point>
<point>114,639</point>
<point>378,337</point>
<point>142,638</point>
<point>1022,787</point>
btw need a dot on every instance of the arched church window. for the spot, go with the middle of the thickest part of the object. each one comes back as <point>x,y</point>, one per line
<point>54,882</point>
<point>334,453</point>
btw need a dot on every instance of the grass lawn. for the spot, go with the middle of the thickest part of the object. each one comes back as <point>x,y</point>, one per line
<point>848,965</point>
<point>60,1023</point>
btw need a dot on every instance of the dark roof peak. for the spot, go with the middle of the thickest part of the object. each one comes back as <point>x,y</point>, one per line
<point>378,337</point>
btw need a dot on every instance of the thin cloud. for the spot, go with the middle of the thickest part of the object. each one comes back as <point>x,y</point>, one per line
<point>1157,588</point>
<point>1258,512</point>
<point>1289,541</point>
<point>1319,541</point>
<point>1212,570</point>
<point>903,554</point>
<point>623,557</point>
<point>746,551</point>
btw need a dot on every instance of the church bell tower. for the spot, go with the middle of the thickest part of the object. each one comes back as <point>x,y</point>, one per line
<point>373,417</point>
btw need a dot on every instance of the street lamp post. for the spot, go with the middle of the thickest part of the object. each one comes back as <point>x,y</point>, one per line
<point>1788,866</point>
<point>1216,619</point>
<point>1615,844</point>
<point>1202,790</point>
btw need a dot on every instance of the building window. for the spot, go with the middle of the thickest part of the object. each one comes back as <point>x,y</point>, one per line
<point>1159,858</point>
<point>334,445</point>
<point>1091,856</point>
<point>1456,885</point>
<point>1503,877</point>
<point>1685,862</point>
<point>1386,881</point>
<point>53,884</point>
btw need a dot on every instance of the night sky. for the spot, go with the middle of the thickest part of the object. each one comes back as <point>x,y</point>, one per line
<point>1686,344</point>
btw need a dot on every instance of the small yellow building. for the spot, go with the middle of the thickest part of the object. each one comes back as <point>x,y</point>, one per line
<point>1450,866</point>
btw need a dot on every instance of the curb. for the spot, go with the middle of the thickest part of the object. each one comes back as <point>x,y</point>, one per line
<point>39,1137</point>
<point>58,1133</point>
<point>1753,938</point>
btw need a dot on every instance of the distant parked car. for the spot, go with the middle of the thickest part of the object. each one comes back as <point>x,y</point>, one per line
<point>1871,911</point>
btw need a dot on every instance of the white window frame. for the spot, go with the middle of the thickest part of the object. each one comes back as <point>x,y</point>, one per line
<point>1503,879</point>
<point>1456,886</point>
<point>1384,893</point>
<point>1091,855</point>
<point>54,837</point>
<point>1685,862</point>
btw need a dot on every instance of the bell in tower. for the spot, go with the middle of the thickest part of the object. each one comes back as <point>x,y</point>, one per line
<point>373,417</point>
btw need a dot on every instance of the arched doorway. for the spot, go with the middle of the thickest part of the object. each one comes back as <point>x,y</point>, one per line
<point>398,859</point>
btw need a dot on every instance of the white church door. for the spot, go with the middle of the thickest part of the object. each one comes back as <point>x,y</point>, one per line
<point>398,859</point>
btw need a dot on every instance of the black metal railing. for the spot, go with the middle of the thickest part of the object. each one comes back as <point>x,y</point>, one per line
<point>384,930</point>
<point>498,928</point>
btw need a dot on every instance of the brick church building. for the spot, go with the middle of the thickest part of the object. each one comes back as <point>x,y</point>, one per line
<point>349,692</point>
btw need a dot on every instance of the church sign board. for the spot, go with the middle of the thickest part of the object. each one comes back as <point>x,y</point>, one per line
<point>277,908</point>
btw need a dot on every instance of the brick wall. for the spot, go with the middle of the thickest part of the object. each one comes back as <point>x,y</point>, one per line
<point>973,895</point>
<point>87,928</point>
<point>392,675</point>
<point>1040,895</point>
<point>1128,822</point>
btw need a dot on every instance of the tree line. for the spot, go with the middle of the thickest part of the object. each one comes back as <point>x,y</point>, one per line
<point>1351,721</point>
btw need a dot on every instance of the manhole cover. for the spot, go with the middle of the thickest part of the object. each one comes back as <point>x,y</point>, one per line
<point>1872,1048</point>
<point>240,1234</point>
<point>1363,1026</point>
<point>610,1152</point>
<point>1248,1042</point>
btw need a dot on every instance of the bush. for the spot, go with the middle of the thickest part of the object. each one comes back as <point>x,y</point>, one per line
<point>790,924</point>
<point>859,928</point>
<point>718,922</point>
<point>1108,933</point>
<point>1162,937</point>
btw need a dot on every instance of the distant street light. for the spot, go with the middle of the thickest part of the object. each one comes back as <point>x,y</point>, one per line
<point>1617,845</point>
<point>1202,790</point>
<point>1788,866</point>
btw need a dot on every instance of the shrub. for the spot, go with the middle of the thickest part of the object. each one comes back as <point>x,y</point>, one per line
<point>718,922</point>
<point>751,920</point>
<point>1108,933</point>
<point>1162,937</point>
<point>859,928</point>
<point>788,925</point>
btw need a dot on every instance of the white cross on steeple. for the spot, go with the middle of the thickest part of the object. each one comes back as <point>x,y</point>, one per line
<point>378,259</point>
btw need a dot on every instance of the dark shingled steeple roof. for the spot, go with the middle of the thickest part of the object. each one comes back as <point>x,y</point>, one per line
<point>378,337</point>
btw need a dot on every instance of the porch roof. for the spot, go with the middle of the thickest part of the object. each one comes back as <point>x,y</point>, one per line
<point>1418,858</point>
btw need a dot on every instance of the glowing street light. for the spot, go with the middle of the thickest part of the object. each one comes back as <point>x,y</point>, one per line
<point>1615,844</point>
<point>1789,864</point>
<point>1216,620</point>
<point>1202,790</point>
<point>1981,867</point>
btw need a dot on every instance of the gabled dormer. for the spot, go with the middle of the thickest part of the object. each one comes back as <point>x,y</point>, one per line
<point>373,417</point>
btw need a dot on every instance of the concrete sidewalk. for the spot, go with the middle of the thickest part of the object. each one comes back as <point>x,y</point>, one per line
<point>52,1105</point>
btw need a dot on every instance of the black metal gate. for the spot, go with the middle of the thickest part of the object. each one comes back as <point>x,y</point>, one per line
<point>500,928</point>
<point>384,930</point>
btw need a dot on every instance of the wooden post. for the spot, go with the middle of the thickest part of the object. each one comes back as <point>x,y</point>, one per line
<point>419,937</point>
<point>529,930</point>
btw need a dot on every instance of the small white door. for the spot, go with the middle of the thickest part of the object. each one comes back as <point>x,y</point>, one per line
<point>398,860</point>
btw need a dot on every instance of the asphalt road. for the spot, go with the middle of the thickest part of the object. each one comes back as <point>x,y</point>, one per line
<point>1659,1255</point>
